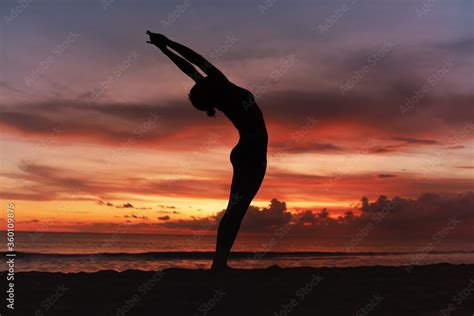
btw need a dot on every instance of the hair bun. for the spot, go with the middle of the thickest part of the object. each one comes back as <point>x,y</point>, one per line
<point>211,112</point>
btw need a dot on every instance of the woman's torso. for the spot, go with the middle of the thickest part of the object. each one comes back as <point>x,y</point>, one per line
<point>242,110</point>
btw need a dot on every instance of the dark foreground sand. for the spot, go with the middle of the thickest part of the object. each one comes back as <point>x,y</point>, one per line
<point>441,289</point>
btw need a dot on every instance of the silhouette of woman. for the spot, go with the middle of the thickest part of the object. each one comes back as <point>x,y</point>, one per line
<point>249,156</point>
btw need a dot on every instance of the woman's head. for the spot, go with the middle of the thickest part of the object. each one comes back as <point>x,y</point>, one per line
<point>203,96</point>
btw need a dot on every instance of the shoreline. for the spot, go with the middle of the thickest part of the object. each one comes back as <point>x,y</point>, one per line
<point>384,290</point>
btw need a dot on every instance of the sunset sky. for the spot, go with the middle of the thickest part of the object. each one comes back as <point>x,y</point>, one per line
<point>361,98</point>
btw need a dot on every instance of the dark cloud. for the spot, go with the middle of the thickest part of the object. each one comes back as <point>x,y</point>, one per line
<point>460,46</point>
<point>115,123</point>
<point>7,86</point>
<point>322,147</point>
<point>456,147</point>
<point>380,204</point>
<point>382,149</point>
<point>166,206</point>
<point>169,212</point>
<point>381,113</point>
<point>44,183</point>
<point>425,214</point>
<point>134,216</point>
<point>377,95</point>
<point>103,123</point>
<point>125,205</point>
<point>306,147</point>
<point>197,224</point>
<point>407,142</point>
<point>417,221</point>
<point>411,140</point>
<point>384,175</point>
<point>51,183</point>
<point>258,219</point>
<point>391,219</point>
<point>255,220</point>
<point>164,218</point>
<point>129,205</point>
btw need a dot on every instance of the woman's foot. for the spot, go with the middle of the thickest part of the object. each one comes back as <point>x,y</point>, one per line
<point>219,267</point>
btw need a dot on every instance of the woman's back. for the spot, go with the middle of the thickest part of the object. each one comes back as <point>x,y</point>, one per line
<point>240,107</point>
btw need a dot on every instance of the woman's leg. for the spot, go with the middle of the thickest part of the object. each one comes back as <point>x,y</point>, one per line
<point>245,184</point>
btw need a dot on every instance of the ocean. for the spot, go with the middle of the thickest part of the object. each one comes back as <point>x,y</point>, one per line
<point>90,252</point>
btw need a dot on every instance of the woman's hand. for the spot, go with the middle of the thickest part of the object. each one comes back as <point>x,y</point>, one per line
<point>157,39</point>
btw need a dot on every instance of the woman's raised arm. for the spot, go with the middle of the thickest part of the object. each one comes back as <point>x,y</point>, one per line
<point>161,41</point>
<point>195,58</point>
<point>187,53</point>
<point>182,64</point>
